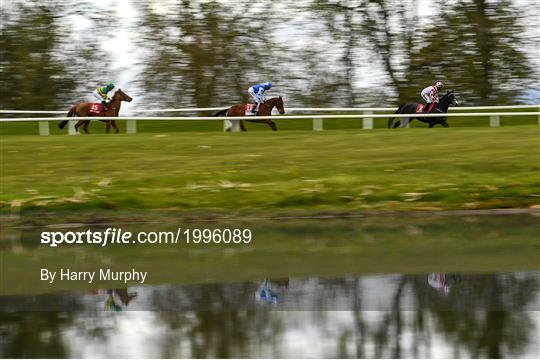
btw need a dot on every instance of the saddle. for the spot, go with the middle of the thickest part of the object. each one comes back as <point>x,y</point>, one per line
<point>421,108</point>
<point>97,108</point>
<point>248,108</point>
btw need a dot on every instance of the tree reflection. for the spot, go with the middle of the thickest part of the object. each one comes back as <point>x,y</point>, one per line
<point>482,316</point>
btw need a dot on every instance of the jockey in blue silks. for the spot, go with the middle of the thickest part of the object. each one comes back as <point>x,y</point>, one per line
<point>257,93</point>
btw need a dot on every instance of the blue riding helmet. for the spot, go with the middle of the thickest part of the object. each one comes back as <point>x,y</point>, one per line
<point>268,85</point>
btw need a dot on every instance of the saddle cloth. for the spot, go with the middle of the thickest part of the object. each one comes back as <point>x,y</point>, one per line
<point>420,108</point>
<point>95,108</point>
<point>248,108</point>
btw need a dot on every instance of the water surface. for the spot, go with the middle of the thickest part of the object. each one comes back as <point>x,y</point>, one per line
<point>368,287</point>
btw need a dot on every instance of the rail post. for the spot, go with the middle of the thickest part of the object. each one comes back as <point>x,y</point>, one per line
<point>71,127</point>
<point>131,126</point>
<point>494,121</point>
<point>367,123</point>
<point>318,125</point>
<point>44,128</point>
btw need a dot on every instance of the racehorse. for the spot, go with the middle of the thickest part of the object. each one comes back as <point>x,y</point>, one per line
<point>265,109</point>
<point>441,107</point>
<point>84,110</point>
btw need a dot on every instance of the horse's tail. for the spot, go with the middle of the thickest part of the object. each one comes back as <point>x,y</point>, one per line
<point>70,113</point>
<point>391,121</point>
<point>221,113</point>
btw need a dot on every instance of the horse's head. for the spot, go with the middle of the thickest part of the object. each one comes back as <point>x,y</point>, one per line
<point>280,106</point>
<point>451,97</point>
<point>122,96</point>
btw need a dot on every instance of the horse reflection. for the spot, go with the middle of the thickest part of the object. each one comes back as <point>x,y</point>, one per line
<point>117,299</point>
<point>265,292</point>
<point>442,282</point>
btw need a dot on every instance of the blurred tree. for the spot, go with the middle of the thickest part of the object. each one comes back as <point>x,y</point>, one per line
<point>204,53</point>
<point>342,21</point>
<point>41,64</point>
<point>477,45</point>
<point>394,33</point>
<point>390,28</point>
<point>30,73</point>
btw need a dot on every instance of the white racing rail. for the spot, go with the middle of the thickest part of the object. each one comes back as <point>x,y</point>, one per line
<point>464,108</point>
<point>367,116</point>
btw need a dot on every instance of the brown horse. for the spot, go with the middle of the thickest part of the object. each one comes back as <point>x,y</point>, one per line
<point>265,109</point>
<point>83,110</point>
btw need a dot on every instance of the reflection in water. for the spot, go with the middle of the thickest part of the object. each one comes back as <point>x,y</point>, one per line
<point>491,315</point>
<point>441,281</point>
<point>265,294</point>
<point>116,299</point>
<point>321,310</point>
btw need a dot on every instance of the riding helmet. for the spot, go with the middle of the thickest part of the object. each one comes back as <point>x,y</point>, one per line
<point>269,84</point>
<point>110,86</point>
<point>439,84</point>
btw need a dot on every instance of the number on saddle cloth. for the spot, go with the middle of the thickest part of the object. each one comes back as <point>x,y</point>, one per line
<point>248,109</point>
<point>95,108</point>
<point>420,108</point>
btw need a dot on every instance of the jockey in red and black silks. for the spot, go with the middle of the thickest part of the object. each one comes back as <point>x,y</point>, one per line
<point>431,95</point>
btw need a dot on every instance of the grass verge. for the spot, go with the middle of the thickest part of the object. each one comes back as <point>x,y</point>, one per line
<point>331,171</point>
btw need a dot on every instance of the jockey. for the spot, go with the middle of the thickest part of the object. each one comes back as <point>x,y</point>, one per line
<point>101,95</point>
<point>264,293</point>
<point>438,281</point>
<point>431,95</point>
<point>257,93</point>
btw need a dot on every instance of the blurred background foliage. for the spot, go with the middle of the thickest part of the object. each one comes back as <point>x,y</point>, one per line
<point>317,52</point>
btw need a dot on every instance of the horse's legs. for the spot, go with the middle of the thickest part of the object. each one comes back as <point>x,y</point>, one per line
<point>272,125</point>
<point>242,125</point>
<point>444,123</point>
<point>108,126</point>
<point>113,123</point>
<point>397,124</point>
<point>85,126</point>
<point>405,122</point>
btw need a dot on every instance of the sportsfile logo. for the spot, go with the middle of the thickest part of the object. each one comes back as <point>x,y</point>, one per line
<point>118,236</point>
<point>107,237</point>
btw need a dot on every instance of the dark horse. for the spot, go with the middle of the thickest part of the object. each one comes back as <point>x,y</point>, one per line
<point>441,107</point>
<point>265,109</point>
<point>83,110</point>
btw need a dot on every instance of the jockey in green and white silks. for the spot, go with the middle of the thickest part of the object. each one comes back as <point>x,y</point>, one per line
<point>257,93</point>
<point>101,94</point>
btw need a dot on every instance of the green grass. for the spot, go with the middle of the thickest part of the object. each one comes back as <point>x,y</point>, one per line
<point>274,172</point>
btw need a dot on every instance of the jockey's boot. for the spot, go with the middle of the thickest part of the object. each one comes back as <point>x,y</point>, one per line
<point>103,107</point>
<point>426,108</point>
<point>255,108</point>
